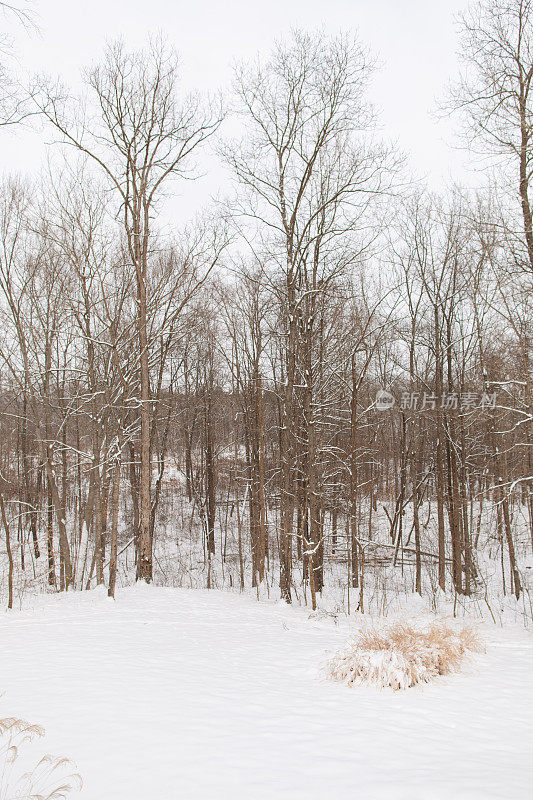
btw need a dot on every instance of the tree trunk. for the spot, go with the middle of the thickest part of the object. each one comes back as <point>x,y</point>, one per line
<point>114,530</point>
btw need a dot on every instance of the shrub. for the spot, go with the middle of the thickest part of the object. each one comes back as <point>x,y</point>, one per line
<point>402,654</point>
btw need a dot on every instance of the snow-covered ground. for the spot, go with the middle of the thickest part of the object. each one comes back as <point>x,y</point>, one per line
<point>169,693</point>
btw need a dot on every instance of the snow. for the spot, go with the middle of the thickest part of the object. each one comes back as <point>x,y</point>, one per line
<point>174,693</point>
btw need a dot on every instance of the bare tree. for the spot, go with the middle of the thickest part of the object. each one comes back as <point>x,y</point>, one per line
<point>140,136</point>
<point>308,173</point>
<point>496,93</point>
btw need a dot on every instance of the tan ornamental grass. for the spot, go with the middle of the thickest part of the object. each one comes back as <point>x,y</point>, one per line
<point>49,778</point>
<point>402,654</point>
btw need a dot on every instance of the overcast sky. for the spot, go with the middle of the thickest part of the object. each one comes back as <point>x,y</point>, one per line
<point>415,41</point>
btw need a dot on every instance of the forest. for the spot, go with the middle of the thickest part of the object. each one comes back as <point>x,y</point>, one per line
<point>320,386</point>
<point>266,402</point>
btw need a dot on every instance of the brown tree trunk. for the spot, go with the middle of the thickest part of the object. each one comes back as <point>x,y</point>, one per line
<point>114,530</point>
<point>353,502</point>
<point>50,538</point>
<point>9,553</point>
<point>210,476</point>
<point>439,466</point>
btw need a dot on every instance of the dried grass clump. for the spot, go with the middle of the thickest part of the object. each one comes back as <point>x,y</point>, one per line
<point>400,655</point>
<point>48,779</point>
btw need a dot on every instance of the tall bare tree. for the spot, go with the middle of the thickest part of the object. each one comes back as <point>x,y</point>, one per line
<point>141,135</point>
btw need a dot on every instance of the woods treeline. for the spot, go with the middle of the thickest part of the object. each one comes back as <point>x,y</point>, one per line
<point>330,366</point>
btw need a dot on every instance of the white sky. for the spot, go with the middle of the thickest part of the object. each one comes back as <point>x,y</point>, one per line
<point>415,40</point>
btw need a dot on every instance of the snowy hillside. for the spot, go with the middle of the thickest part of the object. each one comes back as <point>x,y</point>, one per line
<point>169,693</point>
